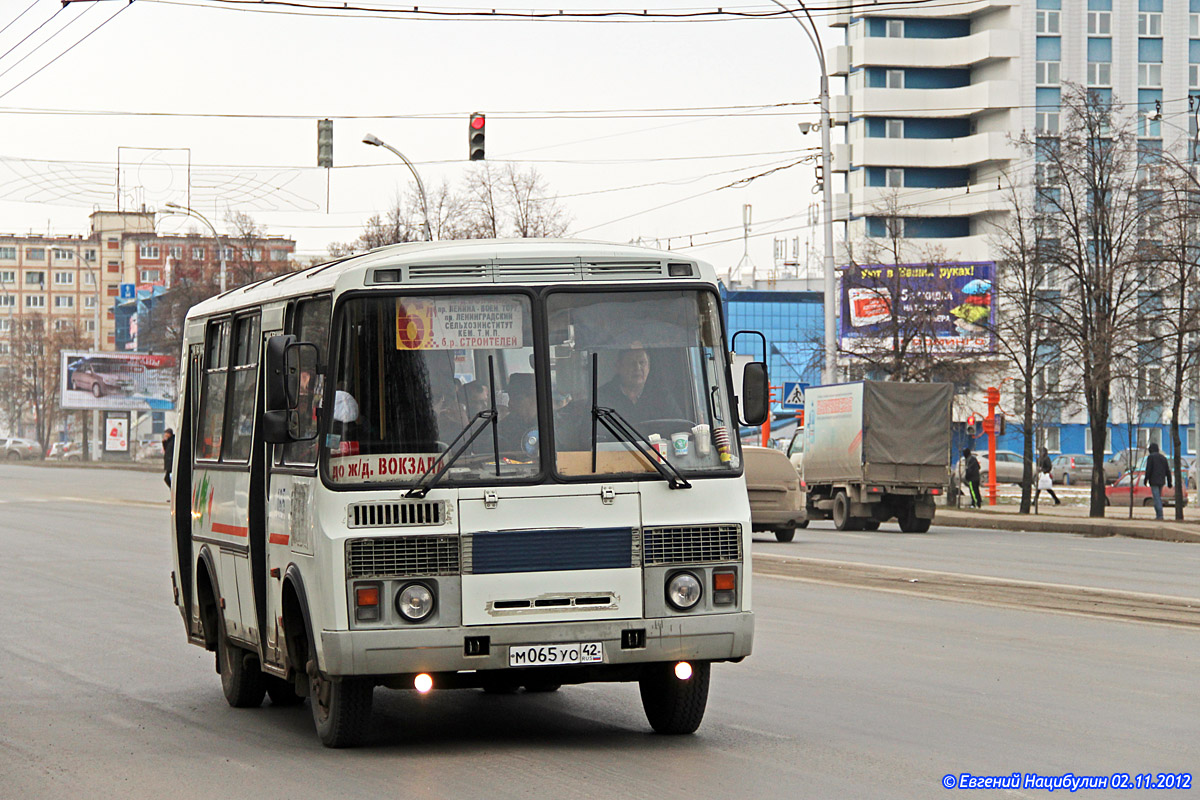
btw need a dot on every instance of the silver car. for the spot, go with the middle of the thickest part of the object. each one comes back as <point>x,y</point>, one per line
<point>1070,468</point>
<point>17,449</point>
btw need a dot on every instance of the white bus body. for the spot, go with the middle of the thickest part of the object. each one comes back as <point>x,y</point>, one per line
<point>544,554</point>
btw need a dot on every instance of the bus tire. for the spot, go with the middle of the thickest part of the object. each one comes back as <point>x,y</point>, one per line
<point>242,683</point>
<point>282,693</point>
<point>341,708</point>
<point>672,706</point>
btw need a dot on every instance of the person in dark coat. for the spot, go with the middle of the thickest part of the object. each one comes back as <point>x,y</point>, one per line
<point>1158,474</point>
<point>971,476</point>
<point>168,443</point>
<point>1045,465</point>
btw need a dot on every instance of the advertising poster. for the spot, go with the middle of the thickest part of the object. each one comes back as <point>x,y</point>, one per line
<point>118,381</point>
<point>946,308</point>
<point>116,434</point>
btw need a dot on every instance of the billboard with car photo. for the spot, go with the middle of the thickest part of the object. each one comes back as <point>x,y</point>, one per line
<point>118,381</point>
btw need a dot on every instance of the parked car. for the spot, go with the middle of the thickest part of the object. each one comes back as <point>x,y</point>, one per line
<point>65,451</point>
<point>99,379</point>
<point>1070,468</point>
<point>149,450</point>
<point>17,449</point>
<point>1118,494</point>
<point>1009,467</point>
<point>776,502</point>
<point>1122,460</point>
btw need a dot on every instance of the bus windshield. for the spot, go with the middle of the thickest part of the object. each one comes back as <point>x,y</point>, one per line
<point>655,358</point>
<point>411,374</point>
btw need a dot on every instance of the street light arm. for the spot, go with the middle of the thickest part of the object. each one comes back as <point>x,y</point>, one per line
<point>377,142</point>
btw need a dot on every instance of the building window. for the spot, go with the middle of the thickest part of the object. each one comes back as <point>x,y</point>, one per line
<point>148,251</point>
<point>1194,26</point>
<point>1194,76</point>
<point>8,276</point>
<point>149,275</point>
<point>62,255</point>
<point>1046,121</point>
<point>1047,73</point>
<point>35,254</point>
<point>253,254</point>
<point>89,325</point>
<point>895,28</point>
<point>1149,23</point>
<point>894,178</point>
<point>89,301</point>
<point>1099,73</point>
<point>1099,23</point>
<point>8,253</point>
<point>1149,436</point>
<point>176,252</point>
<point>114,266</point>
<point>1051,440</point>
<point>1087,442</point>
<point>893,129</point>
<point>1047,21</point>
<point>64,279</point>
<point>89,254</point>
<point>1150,75</point>
<point>198,253</point>
<point>5,324</point>
<point>35,278</point>
<point>35,301</point>
<point>7,301</point>
<point>64,301</point>
<point>282,255</point>
<point>89,278</point>
<point>225,253</point>
<point>63,324</point>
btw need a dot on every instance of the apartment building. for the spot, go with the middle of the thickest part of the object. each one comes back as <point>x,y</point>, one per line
<point>936,95</point>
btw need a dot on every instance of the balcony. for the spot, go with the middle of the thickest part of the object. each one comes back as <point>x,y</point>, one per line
<point>959,248</point>
<point>961,152</point>
<point>963,9</point>
<point>960,52</point>
<point>837,61</point>
<point>959,201</point>
<point>973,99</point>
<point>839,109</point>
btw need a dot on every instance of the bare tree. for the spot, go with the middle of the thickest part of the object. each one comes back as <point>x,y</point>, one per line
<point>37,344</point>
<point>1093,203</point>
<point>534,214</point>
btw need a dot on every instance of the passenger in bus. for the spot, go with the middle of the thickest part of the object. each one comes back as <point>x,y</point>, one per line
<point>521,419</point>
<point>477,396</point>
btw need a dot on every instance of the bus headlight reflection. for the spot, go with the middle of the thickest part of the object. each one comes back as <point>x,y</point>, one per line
<point>415,602</point>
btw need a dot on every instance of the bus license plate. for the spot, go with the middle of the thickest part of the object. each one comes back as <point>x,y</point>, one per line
<point>545,655</point>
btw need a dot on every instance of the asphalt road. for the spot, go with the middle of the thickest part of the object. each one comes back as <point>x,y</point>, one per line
<point>850,692</point>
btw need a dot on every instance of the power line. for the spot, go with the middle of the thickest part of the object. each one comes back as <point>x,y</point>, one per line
<point>18,17</point>
<point>47,40</point>
<point>46,22</point>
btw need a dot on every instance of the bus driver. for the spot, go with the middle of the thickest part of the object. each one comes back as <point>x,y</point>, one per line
<point>627,394</point>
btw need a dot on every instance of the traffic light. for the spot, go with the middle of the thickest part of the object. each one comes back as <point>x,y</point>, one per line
<point>999,423</point>
<point>475,135</point>
<point>325,143</point>
<point>971,426</point>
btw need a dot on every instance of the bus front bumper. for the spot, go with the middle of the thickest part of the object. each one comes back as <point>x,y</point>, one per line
<point>709,637</point>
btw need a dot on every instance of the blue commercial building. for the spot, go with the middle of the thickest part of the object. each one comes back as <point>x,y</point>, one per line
<point>792,321</point>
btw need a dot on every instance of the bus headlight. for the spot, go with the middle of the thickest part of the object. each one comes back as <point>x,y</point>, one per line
<point>415,602</point>
<point>683,590</point>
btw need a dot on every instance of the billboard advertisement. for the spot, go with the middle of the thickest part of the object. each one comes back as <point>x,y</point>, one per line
<point>947,308</point>
<point>117,381</point>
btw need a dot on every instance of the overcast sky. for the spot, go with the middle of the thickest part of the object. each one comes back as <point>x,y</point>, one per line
<point>613,176</point>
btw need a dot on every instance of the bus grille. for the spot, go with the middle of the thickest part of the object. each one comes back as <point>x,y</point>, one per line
<point>402,556</point>
<point>393,514</point>
<point>492,552</point>
<point>692,544</point>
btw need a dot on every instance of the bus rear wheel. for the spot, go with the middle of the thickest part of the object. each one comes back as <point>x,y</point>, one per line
<point>341,708</point>
<point>674,706</point>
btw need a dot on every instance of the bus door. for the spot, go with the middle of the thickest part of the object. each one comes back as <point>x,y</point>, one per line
<point>293,477</point>
<point>221,471</point>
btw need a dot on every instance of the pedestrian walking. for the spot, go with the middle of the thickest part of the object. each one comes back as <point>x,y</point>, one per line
<point>168,443</point>
<point>1158,474</point>
<point>971,476</point>
<point>1044,480</point>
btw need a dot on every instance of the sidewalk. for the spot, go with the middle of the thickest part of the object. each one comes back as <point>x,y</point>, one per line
<point>1073,518</point>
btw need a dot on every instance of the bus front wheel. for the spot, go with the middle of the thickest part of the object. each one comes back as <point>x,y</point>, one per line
<point>241,679</point>
<point>341,708</point>
<point>672,705</point>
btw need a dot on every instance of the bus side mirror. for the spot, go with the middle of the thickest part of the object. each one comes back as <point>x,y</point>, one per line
<point>290,391</point>
<point>755,393</point>
<point>275,395</point>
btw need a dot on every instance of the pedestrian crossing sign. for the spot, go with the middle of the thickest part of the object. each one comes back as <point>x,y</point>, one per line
<point>793,395</point>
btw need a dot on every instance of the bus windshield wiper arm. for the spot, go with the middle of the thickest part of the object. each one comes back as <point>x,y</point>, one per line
<point>424,483</point>
<point>619,426</point>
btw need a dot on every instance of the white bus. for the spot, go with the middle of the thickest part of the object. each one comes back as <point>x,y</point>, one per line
<point>479,464</point>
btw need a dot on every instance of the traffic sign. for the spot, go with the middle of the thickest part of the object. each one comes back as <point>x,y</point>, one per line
<point>128,291</point>
<point>793,395</point>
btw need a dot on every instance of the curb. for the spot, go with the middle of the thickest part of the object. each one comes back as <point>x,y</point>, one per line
<point>1085,526</point>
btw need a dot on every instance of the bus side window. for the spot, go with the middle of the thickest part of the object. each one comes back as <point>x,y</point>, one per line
<point>212,401</point>
<point>311,324</point>
<point>239,423</point>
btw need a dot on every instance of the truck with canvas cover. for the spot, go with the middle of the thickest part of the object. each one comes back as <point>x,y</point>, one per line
<point>876,450</point>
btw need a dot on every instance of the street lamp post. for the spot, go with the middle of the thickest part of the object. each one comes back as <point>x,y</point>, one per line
<point>829,373</point>
<point>87,263</point>
<point>371,139</point>
<point>220,249</point>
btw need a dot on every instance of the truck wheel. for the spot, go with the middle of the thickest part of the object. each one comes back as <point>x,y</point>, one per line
<point>911,523</point>
<point>870,524</point>
<point>341,709</point>
<point>802,524</point>
<point>841,513</point>
<point>243,685</point>
<point>785,534</point>
<point>674,706</point>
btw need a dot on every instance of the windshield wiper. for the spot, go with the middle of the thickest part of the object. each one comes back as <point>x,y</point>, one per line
<point>619,426</point>
<point>490,416</point>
